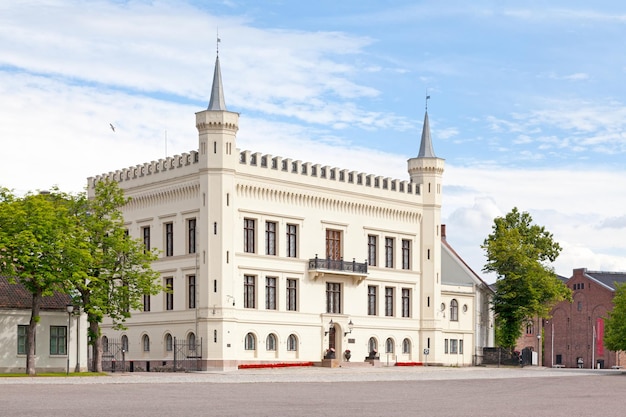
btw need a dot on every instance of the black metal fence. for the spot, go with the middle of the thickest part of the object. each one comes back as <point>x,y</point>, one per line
<point>187,356</point>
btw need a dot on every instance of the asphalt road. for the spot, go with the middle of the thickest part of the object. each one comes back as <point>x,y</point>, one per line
<point>328,392</point>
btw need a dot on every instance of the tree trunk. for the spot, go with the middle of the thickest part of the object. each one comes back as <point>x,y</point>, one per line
<point>32,330</point>
<point>94,331</point>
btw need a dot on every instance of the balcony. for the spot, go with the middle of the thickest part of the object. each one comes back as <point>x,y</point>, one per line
<point>319,267</point>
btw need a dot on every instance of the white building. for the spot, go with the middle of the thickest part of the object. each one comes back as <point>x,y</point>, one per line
<point>60,338</point>
<point>275,260</point>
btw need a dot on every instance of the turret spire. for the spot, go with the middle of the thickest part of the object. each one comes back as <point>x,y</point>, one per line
<point>426,145</point>
<point>217,92</point>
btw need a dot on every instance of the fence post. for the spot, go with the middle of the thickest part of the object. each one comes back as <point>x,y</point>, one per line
<point>175,349</point>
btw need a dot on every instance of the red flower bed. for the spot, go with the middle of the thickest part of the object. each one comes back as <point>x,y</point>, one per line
<point>409,364</point>
<point>273,365</point>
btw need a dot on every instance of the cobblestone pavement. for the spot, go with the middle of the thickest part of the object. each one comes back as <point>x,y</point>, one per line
<point>318,374</point>
<point>293,392</point>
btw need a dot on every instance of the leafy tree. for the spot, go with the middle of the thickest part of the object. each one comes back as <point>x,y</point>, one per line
<point>36,239</point>
<point>526,286</point>
<point>615,323</point>
<point>114,271</point>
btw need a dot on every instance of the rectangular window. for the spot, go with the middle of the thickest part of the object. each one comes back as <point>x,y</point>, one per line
<point>389,252</point>
<point>169,239</point>
<point>191,236</point>
<point>292,293</point>
<point>270,293</point>
<point>372,251</point>
<point>58,340</point>
<point>460,346</point>
<point>169,293</point>
<point>406,254</point>
<point>249,291</point>
<point>145,231</point>
<point>270,238</point>
<point>406,302</point>
<point>389,301</point>
<point>453,346</point>
<point>371,300</point>
<point>249,226</point>
<point>22,339</point>
<point>333,244</point>
<point>191,287</point>
<point>445,345</point>
<point>292,241</point>
<point>146,302</point>
<point>333,297</point>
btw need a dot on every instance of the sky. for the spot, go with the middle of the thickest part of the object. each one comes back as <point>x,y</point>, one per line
<point>527,99</point>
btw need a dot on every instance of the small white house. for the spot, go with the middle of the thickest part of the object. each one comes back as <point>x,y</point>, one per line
<point>60,340</point>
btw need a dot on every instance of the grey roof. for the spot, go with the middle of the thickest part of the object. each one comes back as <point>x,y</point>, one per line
<point>426,145</point>
<point>608,279</point>
<point>217,92</point>
<point>16,296</point>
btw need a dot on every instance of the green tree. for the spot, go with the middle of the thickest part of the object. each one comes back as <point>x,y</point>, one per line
<point>526,285</point>
<point>615,323</point>
<point>114,271</point>
<point>37,238</point>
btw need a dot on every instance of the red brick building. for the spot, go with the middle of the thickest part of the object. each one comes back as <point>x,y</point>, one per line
<point>573,336</point>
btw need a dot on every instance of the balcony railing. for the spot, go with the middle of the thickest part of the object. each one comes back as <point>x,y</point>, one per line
<point>351,267</point>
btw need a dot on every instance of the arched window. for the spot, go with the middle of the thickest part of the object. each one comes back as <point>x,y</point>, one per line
<point>249,342</point>
<point>406,346</point>
<point>169,342</point>
<point>389,345</point>
<point>270,342</point>
<point>372,345</point>
<point>125,343</point>
<point>105,344</point>
<point>191,342</point>
<point>292,343</point>
<point>454,310</point>
<point>145,341</point>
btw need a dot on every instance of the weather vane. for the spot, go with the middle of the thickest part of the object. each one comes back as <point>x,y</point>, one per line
<point>427,98</point>
<point>218,41</point>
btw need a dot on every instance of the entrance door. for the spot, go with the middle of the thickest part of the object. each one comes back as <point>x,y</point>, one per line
<point>331,341</point>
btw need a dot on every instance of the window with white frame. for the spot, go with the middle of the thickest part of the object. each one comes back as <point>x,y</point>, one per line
<point>145,341</point>
<point>406,346</point>
<point>292,241</point>
<point>292,343</point>
<point>333,297</point>
<point>270,293</point>
<point>270,342</point>
<point>389,345</point>
<point>454,310</point>
<point>389,296</point>
<point>249,291</point>
<point>249,342</point>
<point>270,238</point>
<point>169,342</point>
<point>58,340</point>
<point>371,300</point>
<point>372,249</point>
<point>292,294</point>
<point>169,239</point>
<point>389,252</point>
<point>249,230</point>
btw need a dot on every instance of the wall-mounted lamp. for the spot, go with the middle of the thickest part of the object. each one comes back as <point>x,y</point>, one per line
<point>330,327</point>
<point>350,326</point>
<point>228,297</point>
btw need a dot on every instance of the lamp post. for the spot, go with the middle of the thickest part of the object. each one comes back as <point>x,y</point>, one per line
<point>77,369</point>
<point>69,308</point>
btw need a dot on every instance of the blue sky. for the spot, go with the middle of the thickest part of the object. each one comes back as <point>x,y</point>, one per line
<point>528,104</point>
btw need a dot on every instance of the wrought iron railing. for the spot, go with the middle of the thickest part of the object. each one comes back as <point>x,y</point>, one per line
<point>338,265</point>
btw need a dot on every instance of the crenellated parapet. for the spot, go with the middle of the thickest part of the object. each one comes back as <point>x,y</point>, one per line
<point>138,172</point>
<point>325,172</point>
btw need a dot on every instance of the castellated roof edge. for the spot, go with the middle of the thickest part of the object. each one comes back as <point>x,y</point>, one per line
<point>268,163</point>
<point>147,169</point>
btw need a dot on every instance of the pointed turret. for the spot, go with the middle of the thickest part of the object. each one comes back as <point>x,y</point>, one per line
<point>217,92</point>
<point>426,145</point>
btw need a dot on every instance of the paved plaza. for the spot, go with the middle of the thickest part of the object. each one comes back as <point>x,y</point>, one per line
<point>418,391</point>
